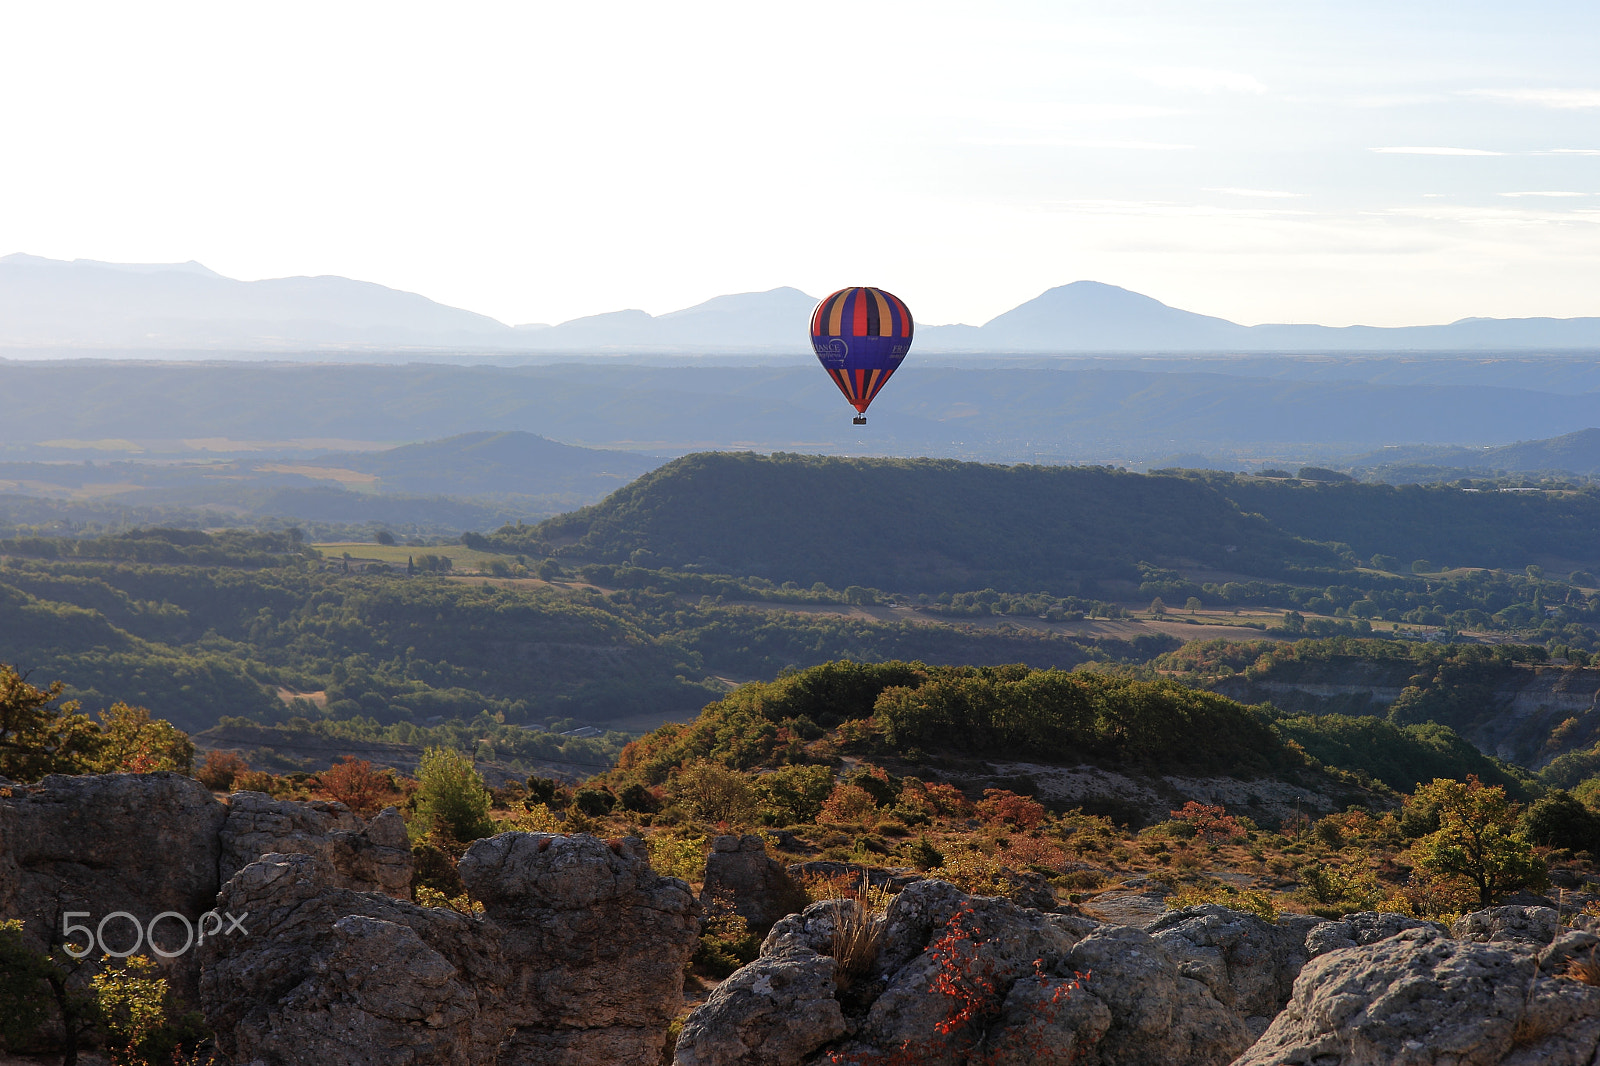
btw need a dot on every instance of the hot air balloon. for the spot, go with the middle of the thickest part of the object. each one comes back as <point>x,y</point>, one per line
<point>861,336</point>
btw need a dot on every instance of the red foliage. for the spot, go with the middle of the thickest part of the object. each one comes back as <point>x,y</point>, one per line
<point>220,769</point>
<point>999,805</point>
<point>354,783</point>
<point>946,800</point>
<point>969,980</point>
<point>1211,823</point>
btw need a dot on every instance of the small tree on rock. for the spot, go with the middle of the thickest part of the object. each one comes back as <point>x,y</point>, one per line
<point>1476,839</point>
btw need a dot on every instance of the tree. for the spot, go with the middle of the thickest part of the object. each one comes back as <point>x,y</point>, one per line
<point>714,793</point>
<point>452,796</point>
<point>38,739</point>
<point>794,795</point>
<point>1560,820</point>
<point>135,743</point>
<point>355,784</point>
<point>384,537</point>
<point>1157,607</point>
<point>1476,838</point>
<point>1192,604</point>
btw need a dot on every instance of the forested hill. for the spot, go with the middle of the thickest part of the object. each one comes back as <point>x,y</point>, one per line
<point>927,525</point>
<point>920,525</point>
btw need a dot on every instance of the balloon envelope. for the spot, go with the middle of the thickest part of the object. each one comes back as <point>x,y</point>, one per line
<point>861,335</point>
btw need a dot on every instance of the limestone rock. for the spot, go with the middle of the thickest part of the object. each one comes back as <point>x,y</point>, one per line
<point>772,1013</point>
<point>1363,927</point>
<point>373,857</point>
<point>1248,963</point>
<point>1532,925</point>
<point>1421,998</point>
<point>95,844</point>
<point>578,959</point>
<point>758,887</point>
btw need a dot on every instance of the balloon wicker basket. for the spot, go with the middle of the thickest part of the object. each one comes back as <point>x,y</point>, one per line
<point>859,420</point>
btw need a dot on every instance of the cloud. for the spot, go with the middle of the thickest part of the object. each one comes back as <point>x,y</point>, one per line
<point>1435,151</point>
<point>1571,151</point>
<point>1273,193</point>
<point>1566,99</point>
<point>1201,79</point>
<point>1544,194</point>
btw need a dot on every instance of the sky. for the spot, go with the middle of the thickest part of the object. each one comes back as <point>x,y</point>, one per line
<point>1262,160</point>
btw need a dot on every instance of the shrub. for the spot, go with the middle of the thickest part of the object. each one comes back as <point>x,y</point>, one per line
<point>794,795</point>
<point>355,784</point>
<point>1001,806</point>
<point>220,769</point>
<point>726,942</point>
<point>714,793</point>
<point>1211,823</point>
<point>683,857</point>
<point>594,802</point>
<point>848,805</point>
<point>638,799</point>
<point>1560,820</point>
<point>133,742</point>
<point>451,795</point>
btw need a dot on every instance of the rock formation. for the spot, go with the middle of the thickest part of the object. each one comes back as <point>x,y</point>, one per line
<point>375,856</point>
<point>1421,998</point>
<point>577,959</point>
<point>758,887</point>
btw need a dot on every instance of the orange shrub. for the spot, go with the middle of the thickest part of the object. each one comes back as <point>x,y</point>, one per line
<point>220,770</point>
<point>354,783</point>
<point>1211,823</point>
<point>947,800</point>
<point>1000,805</point>
<point>848,804</point>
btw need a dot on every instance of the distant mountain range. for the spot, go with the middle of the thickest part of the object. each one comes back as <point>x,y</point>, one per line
<point>1574,453</point>
<point>48,304</point>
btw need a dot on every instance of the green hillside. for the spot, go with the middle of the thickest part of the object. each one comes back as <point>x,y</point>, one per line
<point>918,525</point>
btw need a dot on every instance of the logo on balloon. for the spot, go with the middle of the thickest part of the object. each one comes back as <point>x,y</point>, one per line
<point>830,348</point>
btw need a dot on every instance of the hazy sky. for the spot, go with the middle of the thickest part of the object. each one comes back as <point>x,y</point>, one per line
<point>1265,160</point>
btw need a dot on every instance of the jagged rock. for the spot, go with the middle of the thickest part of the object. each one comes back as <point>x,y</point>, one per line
<point>578,959</point>
<point>1420,998</point>
<point>1573,944</point>
<point>1248,963</point>
<point>95,844</point>
<point>1533,925</point>
<point>772,1014</point>
<point>1363,927</point>
<point>365,857</point>
<point>1067,989</point>
<point>1158,1016</point>
<point>759,888</point>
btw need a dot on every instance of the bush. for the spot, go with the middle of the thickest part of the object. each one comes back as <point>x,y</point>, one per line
<point>794,795</point>
<point>220,770</point>
<point>638,799</point>
<point>355,784</point>
<point>714,793</point>
<point>1008,808</point>
<point>848,805</point>
<point>594,802</point>
<point>1559,820</point>
<point>451,795</point>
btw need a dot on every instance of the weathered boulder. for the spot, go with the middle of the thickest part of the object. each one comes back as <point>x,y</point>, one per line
<point>773,1014</point>
<point>1421,998</point>
<point>1499,925</point>
<point>97,844</point>
<point>758,887</point>
<point>1248,963</point>
<point>1363,927</point>
<point>577,959</point>
<point>365,857</point>
<point>964,979</point>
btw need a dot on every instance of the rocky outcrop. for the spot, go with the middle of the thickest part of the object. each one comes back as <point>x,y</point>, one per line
<point>1421,998</point>
<point>373,856</point>
<point>577,959</point>
<point>741,874</point>
<point>144,845</point>
<point>1044,987</point>
<point>1247,963</point>
<point>97,845</point>
<point>1363,927</point>
<point>1500,925</point>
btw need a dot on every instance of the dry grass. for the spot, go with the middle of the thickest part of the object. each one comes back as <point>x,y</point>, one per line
<point>1585,969</point>
<point>857,934</point>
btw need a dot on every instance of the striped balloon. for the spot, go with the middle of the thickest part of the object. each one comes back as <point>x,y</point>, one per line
<point>861,336</point>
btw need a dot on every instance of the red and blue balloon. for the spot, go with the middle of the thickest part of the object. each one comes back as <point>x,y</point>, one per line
<point>861,337</point>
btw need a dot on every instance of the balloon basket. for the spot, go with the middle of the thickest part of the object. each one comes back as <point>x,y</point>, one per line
<point>859,420</point>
